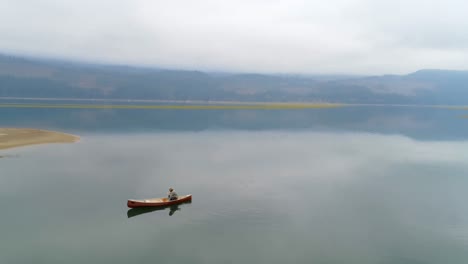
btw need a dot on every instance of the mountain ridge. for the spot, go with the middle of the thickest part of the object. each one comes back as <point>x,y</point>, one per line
<point>29,77</point>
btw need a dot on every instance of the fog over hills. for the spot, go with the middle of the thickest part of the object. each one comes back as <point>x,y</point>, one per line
<point>40,78</point>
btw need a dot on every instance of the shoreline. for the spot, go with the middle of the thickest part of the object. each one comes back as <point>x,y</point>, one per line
<point>263,106</point>
<point>20,137</point>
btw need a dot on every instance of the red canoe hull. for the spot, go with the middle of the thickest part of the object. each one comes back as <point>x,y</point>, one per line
<point>158,202</point>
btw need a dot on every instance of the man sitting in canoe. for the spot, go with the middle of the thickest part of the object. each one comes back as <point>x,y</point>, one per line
<point>171,195</point>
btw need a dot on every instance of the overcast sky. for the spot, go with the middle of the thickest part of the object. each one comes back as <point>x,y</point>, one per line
<point>293,36</point>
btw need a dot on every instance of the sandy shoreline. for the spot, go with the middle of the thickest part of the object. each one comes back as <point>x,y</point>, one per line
<point>18,137</point>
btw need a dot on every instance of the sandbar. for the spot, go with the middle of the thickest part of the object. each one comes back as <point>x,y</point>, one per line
<point>245,106</point>
<point>18,137</point>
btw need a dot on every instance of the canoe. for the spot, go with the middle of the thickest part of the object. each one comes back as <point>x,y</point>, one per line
<point>158,202</point>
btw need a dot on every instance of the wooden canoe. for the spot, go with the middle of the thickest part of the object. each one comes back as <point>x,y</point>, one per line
<point>158,202</point>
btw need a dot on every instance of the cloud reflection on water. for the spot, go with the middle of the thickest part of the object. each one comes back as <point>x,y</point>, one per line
<point>270,196</point>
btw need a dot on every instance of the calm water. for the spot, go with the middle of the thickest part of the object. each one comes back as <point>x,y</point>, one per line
<point>349,185</point>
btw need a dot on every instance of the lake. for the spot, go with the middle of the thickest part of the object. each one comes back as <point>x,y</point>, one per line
<point>361,184</point>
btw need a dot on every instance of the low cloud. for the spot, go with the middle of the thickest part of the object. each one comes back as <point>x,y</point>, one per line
<point>359,36</point>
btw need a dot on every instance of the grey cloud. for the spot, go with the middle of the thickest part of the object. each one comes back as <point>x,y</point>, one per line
<point>430,24</point>
<point>338,36</point>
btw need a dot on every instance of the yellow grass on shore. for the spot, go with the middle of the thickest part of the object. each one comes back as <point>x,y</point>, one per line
<point>246,106</point>
<point>17,137</point>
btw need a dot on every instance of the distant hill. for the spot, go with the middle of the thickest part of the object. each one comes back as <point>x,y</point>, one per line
<point>26,77</point>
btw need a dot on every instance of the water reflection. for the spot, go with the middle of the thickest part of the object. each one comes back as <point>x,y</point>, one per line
<point>418,123</point>
<point>9,156</point>
<point>144,210</point>
<point>370,199</point>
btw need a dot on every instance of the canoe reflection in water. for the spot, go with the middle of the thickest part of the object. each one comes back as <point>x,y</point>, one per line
<point>144,210</point>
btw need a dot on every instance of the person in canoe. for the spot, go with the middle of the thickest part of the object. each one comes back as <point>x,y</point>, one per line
<point>172,195</point>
